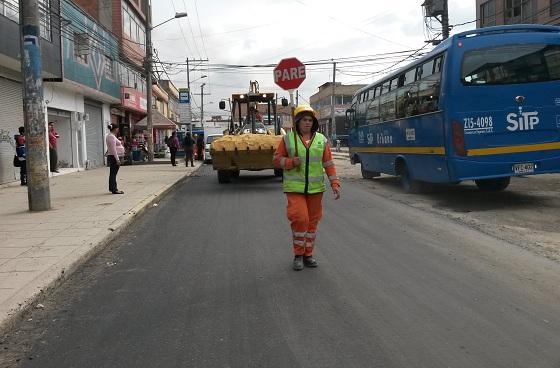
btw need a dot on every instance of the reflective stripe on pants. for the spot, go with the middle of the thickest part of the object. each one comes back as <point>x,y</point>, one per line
<point>304,213</point>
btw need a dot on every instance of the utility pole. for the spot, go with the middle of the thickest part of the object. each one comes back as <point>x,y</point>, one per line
<point>189,78</point>
<point>202,104</point>
<point>445,20</point>
<point>149,121</point>
<point>333,123</point>
<point>38,188</point>
<point>439,10</point>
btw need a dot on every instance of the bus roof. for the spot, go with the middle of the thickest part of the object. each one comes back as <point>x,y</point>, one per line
<point>472,33</point>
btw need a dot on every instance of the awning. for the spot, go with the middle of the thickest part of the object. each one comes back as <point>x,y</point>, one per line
<point>158,121</point>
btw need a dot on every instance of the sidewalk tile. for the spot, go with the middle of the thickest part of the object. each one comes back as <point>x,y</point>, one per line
<point>66,240</point>
<point>12,252</point>
<point>27,264</point>
<point>48,251</point>
<point>21,243</point>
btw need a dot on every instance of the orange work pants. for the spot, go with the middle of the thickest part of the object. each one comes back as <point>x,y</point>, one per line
<point>304,212</point>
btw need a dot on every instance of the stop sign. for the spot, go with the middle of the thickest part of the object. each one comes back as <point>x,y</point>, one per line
<point>289,73</point>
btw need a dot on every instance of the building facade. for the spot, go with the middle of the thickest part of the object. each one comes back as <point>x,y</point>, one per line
<point>321,103</point>
<point>11,106</point>
<point>80,105</point>
<point>500,12</point>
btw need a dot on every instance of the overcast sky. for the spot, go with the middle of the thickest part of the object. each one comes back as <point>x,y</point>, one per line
<point>250,32</point>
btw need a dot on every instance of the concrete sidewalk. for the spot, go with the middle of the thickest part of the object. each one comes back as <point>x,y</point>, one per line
<point>39,249</point>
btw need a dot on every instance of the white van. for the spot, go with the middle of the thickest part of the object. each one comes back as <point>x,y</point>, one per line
<point>209,139</point>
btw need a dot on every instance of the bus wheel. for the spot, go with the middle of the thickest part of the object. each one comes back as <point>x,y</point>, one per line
<point>224,176</point>
<point>235,173</point>
<point>493,185</point>
<point>369,174</point>
<point>278,172</point>
<point>408,184</point>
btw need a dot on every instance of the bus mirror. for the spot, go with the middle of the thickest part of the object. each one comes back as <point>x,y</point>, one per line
<point>284,102</point>
<point>350,111</point>
<point>222,105</point>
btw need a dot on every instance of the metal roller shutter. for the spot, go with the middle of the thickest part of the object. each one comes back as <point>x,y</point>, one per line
<point>94,136</point>
<point>11,118</point>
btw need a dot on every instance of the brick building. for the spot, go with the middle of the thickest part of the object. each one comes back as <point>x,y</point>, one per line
<point>499,12</point>
<point>321,103</point>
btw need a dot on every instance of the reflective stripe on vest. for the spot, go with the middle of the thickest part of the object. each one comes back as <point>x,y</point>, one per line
<point>309,177</point>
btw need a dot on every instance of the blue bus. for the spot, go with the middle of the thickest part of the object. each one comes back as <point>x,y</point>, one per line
<point>484,105</point>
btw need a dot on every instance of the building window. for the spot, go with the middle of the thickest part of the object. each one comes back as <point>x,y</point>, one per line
<point>488,14</point>
<point>554,7</point>
<point>109,72</point>
<point>519,11</point>
<point>133,26</point>
<point>81,47</point>
<point>45,19</point>
<point>10,9</point>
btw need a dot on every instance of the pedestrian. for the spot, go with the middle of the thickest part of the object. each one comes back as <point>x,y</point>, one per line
<point>337,145</point>
<point>200,147</point>
<point>173,144</point>
<point>53,154</point>
<point>114,151</point>
<point>21,155</point>
<point>189,150</point>
<point>305,156</point>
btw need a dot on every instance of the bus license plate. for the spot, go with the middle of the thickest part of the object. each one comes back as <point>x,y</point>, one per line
<point>524,168</point>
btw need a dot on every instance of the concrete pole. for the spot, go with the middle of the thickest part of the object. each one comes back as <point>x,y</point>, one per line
<point>445,20</point>
<point>38,188</point>
<point>333,122</point>
<point>201,104</point>
<point>149,121</point>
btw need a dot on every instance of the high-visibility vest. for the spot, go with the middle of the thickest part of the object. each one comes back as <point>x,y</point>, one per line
<point>309,176</point>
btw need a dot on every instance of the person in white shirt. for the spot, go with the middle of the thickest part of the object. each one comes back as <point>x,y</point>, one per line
<point>114,151</point>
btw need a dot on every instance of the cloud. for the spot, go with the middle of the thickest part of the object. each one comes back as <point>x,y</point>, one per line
<point>259,32</point>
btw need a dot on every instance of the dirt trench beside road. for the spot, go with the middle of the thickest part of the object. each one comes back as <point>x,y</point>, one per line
<point>526,214</point>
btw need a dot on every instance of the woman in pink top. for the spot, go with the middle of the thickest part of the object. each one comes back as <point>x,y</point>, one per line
<point>114,150</point>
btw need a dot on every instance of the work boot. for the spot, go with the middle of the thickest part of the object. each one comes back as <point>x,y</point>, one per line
<point>298,263</point>
<point>309,261</point>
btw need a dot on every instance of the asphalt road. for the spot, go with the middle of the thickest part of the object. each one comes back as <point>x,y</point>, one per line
<point>205,280</point>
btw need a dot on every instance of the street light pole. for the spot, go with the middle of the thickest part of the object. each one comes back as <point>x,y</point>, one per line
<point>149,54</point>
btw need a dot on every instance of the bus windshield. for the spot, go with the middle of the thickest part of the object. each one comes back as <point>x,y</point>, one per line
<point>511,64</point>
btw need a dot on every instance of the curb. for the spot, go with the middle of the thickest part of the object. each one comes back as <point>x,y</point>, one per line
<point>69,264</point>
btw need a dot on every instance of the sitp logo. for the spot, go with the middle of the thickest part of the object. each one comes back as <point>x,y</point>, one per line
<point>522,120</point>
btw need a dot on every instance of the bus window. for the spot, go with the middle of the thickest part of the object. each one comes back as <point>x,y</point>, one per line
<point>511,64</point>
<point>428,94</point>
<point>372,112</point>
<point>427,69</point>
<point>401,103</point>
<point>387,106</point>
<point>394,83</point>
<point>438,63</point>
<point>418,73</point>
<point>409,77</point>
<point>385,88</point>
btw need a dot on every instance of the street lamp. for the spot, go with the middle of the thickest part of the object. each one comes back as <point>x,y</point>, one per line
<point>149,122</point>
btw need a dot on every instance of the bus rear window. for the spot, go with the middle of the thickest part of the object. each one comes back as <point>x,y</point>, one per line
<point>511,64</point>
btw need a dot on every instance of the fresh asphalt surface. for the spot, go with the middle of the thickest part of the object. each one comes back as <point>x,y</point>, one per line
<point>205,280</point>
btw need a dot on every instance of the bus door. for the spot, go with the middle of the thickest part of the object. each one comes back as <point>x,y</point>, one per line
<point>508,102</point>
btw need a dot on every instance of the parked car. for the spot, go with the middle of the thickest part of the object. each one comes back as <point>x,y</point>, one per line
<point>208,143</point>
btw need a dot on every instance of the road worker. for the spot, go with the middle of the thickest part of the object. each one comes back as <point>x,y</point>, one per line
<point>305,156</point>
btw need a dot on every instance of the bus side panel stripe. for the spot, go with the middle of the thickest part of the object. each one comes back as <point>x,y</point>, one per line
<point>513,149</point>
<point>415,150</point>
